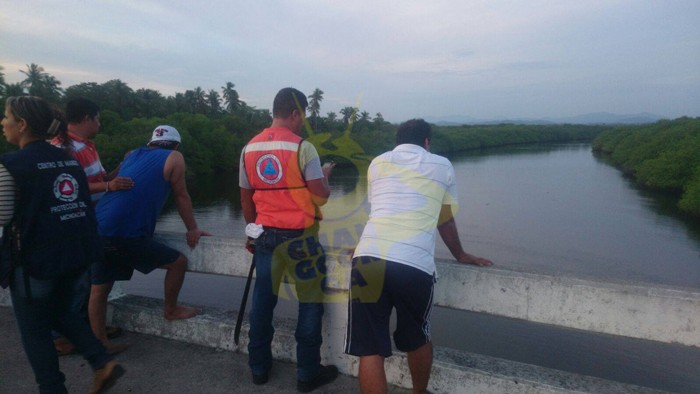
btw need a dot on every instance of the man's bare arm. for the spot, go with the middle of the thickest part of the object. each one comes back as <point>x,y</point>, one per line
<point>449,234</point>
<point>174,173</point>
<point>319,188</point>
<point>248,205</point>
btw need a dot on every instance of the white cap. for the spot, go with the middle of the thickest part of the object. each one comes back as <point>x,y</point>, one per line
<point>165,133</point>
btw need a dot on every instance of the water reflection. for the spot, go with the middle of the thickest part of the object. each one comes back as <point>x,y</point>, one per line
<point>664,204</point>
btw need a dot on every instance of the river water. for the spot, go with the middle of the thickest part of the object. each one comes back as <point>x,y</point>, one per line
<point>552,209</point>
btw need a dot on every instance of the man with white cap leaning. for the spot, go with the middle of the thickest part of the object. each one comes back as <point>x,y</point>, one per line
<point>126,221</point>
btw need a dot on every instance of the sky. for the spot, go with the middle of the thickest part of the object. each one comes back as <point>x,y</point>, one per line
<point>486,59</point>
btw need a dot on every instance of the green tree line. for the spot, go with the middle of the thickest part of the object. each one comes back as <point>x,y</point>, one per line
<point>451,139</point>
<point>215,124</point>
<point>663,156</point>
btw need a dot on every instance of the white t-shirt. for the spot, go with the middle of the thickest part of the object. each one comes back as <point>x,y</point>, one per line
<point>407,188</point>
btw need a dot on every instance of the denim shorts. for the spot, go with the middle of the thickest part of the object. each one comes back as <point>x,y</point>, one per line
<point>123,255</point>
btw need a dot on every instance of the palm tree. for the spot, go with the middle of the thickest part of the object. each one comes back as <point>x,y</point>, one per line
<point>50,89</point>
<point>42,84</point>
<point>347,113</point>
<point>364,116</point>
<point>199,101</point>
<point>14,89</point>
<point>88,90</point>
<point>120,98</point>
<point>378,118</point>
<point>362,121</point>
<point>331,119</point>
<point>349,116</point>
<point>315,99</point>
<point>379,121</point>
<point>179,102</point>
<point>214,102</point>
<point>231,97</point>
<point>150,103</point>
<point>9,90</point>
<point>35,73</point>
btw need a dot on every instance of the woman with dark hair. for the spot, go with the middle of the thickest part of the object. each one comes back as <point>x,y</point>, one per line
<point>48,243</point>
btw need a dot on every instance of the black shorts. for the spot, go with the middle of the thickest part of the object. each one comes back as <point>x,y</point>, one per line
<point>376,287</point>
<point>123,255</point>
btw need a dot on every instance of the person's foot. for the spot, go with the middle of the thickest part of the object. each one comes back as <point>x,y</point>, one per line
<point>63,346</point>
<point>113,332</point>
<point>106,376</point>
<point>180,312</point>
<point>328,374</point>
<point>261,379</point>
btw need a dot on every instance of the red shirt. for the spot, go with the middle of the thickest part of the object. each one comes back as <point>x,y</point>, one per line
<point>84,151</point>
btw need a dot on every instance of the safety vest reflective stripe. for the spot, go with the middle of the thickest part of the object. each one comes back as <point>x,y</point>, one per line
<point>272,145</point>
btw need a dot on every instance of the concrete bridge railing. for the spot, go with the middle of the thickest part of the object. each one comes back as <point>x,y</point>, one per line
<point>637,311</point>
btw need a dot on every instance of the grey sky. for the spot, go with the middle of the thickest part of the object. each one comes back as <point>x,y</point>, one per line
<point>485,59</point>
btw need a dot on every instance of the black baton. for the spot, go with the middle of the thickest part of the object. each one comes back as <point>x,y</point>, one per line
<point>244,301</point>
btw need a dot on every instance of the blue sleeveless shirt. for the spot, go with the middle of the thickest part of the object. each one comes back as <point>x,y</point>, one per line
<point>133,213</point>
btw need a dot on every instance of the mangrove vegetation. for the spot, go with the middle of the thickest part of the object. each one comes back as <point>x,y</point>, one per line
<point>662,156</point>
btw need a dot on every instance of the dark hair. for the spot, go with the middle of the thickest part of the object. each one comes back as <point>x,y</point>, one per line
<point>43,121</point>
<point>414,131</point>
<point>172,145</point>
<point>286,101</point>
<point>78,108</point>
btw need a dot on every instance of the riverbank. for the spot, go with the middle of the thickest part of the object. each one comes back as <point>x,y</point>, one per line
<point>661,156</point>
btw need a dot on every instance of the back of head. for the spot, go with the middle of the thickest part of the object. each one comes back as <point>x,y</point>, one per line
<point>78,108</point>
<point>43,121</point>
<point>414,131</point>
<point>286,101</point>
<point>165,137</point>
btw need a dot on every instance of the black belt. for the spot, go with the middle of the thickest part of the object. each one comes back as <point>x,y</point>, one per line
<point>283,231</point>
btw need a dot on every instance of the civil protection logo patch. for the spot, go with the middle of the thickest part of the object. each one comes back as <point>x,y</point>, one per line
<point>269,168</point>
<point>65,188</point>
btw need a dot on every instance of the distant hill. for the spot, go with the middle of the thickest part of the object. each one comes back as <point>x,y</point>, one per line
<point>608,118</point>
<point>592,118</point>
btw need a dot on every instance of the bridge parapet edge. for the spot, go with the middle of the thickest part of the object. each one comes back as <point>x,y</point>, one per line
<point>641,311</point>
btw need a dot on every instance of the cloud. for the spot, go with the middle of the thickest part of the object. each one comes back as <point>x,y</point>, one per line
<point>401,56</point>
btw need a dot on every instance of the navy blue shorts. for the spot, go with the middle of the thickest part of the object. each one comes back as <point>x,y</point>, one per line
<point>377,286</point>
<point>123,255</point>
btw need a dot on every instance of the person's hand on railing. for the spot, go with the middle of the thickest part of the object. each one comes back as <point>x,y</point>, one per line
<point>466,258</point>
<point>193,236</point>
